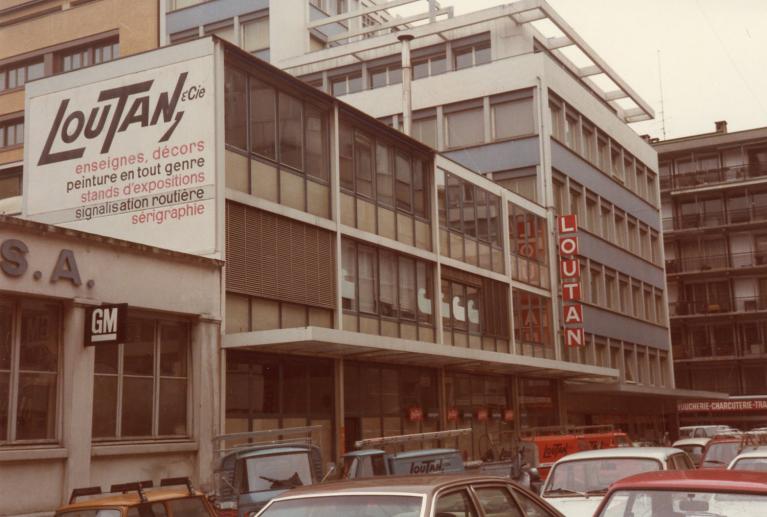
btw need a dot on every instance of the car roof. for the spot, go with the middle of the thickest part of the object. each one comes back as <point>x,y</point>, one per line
<point>692,441</point>
<point>759,452</point>
<point>405,484</point>
<point>129,498</point>
<point>704,480</point>
<point>273,450</point>
<point>658,453</point>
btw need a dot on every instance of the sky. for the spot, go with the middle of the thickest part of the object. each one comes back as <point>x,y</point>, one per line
<point>713,56</point>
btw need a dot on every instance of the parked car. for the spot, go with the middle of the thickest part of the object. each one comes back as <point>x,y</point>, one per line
<point>446,495</point>
<point>695,493</point>
<point>720,451</point>
<point>139,498</point>
<point>248,475</point>
<point>693,447</point>
<point>701,431</point>
<point>577,483</point>
<point>755,460</point>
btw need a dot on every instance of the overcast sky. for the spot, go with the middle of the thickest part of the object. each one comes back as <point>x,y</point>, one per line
<point>713,56</point>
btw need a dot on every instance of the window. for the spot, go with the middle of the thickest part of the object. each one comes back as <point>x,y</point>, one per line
<point>512,118</point>
<point>345,84</point>
<point>473,55</point>
<point>610,291</point>
<point>589,142</point>
<point>141,386</point>
<point>15,76</point>
<point>465,127</point>
<point>11,133</point>
<point>425,131</point>
<point>607,222</point>
<point>86,56</point>
<point>474,306</point>
<point>595,290</point>
<point>603,154</point>
<point>290,124</point>
<point>572,132</point>
<point>385,76</point>
<point>557,122</point>
<point>388,286</point>
<point>235,107</point>
<point>527,240</point>
<point>497,501</point>
<point>428,66</point>
<point>532,324</point>
<point>617,162</point>
<point>10,183</point>
<point>29,370</point>
<point>255,34</point>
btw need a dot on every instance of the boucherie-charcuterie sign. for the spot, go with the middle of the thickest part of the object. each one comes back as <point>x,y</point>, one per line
<point>126,151</point>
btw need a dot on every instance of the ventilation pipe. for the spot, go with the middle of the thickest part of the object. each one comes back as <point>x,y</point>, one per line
<point>407,77</point>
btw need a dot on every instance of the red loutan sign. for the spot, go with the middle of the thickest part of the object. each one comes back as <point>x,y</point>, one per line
<point>570,273</point>
<point>723,405</point>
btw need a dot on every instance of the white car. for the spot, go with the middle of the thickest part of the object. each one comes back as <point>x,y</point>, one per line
<point>693,447</point>
<point>702,431</point>
<point>755,459</point>
<point>577,483</point>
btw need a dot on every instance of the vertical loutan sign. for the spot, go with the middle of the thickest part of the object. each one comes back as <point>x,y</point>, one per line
<point>570,273</point>
<point>127,150</point>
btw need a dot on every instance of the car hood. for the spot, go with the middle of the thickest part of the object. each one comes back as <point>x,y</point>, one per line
<point>576,506</point>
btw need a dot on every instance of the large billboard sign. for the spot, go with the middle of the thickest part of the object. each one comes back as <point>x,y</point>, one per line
<point>130,156</point>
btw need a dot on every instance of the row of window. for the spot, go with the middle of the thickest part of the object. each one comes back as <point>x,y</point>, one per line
<point>719,339</point>
<point>734,377</point>
<point>374,168</point>
<point>704,253</point>
<point>639,363</point>
<point>276,126</point>
<point>250,32</point>
<point>470,222</point>
<point>16,75</point>
<point>140,387</point>
<point>380,282</point>
<point>595,146</point>
<point>743,294</point>
<point>425,62</point>
<point>602,218</point>
<point>714,166</point>
<point>463,124</point>
<point>605,287</point>
<point>703,210</point>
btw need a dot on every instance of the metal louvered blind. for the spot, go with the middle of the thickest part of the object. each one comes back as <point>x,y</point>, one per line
<point>273,257</point>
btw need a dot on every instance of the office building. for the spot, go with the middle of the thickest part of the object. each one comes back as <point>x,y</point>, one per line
<point>714,202</point>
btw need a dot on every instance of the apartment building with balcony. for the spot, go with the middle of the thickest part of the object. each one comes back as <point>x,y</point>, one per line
<point>513,94</point>
<point>43,38</point>
<point>714,199</point>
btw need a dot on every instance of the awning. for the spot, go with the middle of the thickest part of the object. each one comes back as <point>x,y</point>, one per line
<point>621,388</point>
<point>333,343</point>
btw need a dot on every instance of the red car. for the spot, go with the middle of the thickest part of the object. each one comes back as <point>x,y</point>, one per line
<point>720,451</point>
<point>683,493</point>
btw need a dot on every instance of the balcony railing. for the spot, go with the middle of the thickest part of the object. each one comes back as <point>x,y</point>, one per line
<point>732,260</point>
<point>719,218</point>
<point>712,176</point>
<point>711,350</point>
<point>739,304</point>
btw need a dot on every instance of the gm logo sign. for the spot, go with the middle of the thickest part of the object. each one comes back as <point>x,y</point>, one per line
<point>106,324</point>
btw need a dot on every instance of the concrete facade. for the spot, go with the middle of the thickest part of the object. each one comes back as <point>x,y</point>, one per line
<point>155,284</point>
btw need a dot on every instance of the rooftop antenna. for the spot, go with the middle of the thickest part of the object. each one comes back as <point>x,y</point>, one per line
<point>662,109</point>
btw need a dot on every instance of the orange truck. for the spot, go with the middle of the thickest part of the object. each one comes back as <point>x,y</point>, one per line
<point>550,447</point>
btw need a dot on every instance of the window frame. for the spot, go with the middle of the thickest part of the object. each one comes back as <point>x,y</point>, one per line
<point>157,378</point>
<point>16,306</point>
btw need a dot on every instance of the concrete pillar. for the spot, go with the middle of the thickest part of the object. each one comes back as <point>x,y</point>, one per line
<point>76,400</point>
<point>206,394</point>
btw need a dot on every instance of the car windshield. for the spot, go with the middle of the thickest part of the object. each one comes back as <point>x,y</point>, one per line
<point>347,506</point>
<point>660,503</point>
<point>592,477</point>
<point>757,464</point>
<point>685,433</point>
<point>719,454</point>
<point>279,471</point>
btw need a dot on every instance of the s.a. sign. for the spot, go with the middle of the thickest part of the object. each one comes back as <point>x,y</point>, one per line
<point>126,151</point>
<point>106,324</point>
